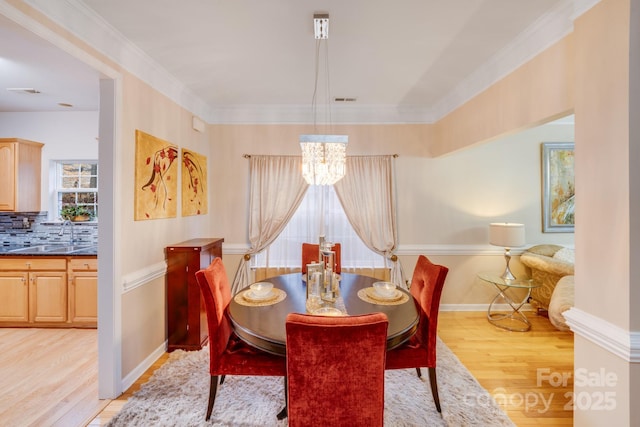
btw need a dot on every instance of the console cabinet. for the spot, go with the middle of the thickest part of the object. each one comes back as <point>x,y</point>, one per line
<point>20,175</point>
<point>186,315</point>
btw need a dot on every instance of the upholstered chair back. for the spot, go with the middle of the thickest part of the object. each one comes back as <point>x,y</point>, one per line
<point>426,287</point>
<point>310,254</point>
<point>216,293</point>
<point>335,369</point>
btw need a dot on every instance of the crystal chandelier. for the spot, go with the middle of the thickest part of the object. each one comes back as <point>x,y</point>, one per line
<point>323,156</point>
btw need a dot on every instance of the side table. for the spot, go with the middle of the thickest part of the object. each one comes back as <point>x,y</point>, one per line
<point>514,320</point>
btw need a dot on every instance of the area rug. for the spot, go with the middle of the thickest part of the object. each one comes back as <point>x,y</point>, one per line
<point>177,393</point>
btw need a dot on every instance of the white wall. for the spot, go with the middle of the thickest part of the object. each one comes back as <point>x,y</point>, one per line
<point>450,200</point>
<point>68,135</point>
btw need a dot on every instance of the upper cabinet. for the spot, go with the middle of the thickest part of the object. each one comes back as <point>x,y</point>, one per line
<point>20,166</point>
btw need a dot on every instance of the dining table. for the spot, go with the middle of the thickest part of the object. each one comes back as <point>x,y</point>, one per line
<point>263,325</point>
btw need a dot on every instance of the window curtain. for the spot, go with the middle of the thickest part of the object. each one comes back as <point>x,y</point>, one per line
<point>276,188</point>
<point>367,194</point>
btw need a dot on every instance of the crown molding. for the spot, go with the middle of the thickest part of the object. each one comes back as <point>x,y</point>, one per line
<point>544,32</point>
<point>84,23</point>
<point>302,114</point>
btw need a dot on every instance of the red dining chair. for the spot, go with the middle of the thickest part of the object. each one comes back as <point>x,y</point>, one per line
<point>426,287</point>
<point>228,355</point>
<point>335,369</point>
<point>310,254</point>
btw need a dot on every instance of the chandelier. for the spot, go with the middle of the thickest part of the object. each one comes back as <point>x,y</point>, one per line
<point>323,156</point>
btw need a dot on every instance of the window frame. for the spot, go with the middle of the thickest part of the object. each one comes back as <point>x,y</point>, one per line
<point>55,179</point>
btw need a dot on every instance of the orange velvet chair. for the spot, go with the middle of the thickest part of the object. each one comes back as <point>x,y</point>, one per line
<point>310,254</point>
<point>426,287</point>
<point>228,355</point>
<point>335,369</point>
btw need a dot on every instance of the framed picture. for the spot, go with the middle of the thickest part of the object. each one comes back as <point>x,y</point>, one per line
<point>558,187</point>
<point>194,183</point>
<point>156,178</point>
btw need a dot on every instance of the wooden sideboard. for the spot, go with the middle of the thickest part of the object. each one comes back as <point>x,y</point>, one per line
<point>186,315</point>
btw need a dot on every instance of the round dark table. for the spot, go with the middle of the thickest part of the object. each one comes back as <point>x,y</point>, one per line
<point>263,327</point>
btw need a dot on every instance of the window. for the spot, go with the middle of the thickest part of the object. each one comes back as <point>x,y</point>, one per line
<point>306,225</point>
<point>76,182</point>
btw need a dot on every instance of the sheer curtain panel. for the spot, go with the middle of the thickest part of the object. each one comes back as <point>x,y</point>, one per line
<point>276,188</point>
<point>367,194</point>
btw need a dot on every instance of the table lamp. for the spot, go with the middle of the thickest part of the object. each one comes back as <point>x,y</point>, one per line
<point>507,235</point>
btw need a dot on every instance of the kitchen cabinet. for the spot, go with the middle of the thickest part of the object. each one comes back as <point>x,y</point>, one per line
<point>47,291</point>
<point>14,297</point>
<point>20,164</point>
<point>186,315</point>
<point>33,291</point>
<point>83,291</point>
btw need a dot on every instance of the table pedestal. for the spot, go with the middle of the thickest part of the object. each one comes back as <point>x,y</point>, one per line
<point>515,317</point>
<point>513,320</point>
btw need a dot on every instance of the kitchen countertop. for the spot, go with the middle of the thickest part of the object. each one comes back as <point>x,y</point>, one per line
<point>58,250</point>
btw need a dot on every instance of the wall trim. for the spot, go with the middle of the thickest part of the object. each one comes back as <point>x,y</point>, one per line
<point>142,367</point>
<point>481,307</point>
<point>86,24</point>
<point>547,30</point>
<point>624,344</point>
<point>143,276</point>
<point>408,250</point>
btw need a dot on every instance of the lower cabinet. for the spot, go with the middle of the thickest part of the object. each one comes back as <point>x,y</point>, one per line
<point>48,297</point>
<point>14,297</point>
<point>83,291</point>
<point>48,292</point>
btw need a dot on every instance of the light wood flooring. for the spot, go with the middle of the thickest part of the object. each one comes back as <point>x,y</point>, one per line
<point>45,384</point>
<point>48,377</point>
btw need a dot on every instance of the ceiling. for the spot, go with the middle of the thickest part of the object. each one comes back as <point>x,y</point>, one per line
<point>409,55</point>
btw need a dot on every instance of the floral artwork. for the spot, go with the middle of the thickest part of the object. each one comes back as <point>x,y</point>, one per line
<point>156,178</point>
<point>194,183</point>
<point>558,187</point>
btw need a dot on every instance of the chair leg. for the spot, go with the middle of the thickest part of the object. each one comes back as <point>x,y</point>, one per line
<point>283,413</point>
<point>434,387</point>
<point>419,372</point>
<point>212,395</point>
<point>222,377</point>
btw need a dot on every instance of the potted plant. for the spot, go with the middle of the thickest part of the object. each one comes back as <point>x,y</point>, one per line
<point>76,213</point>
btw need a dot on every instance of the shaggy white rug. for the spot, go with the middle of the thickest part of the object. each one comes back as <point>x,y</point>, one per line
<point>177,395</point>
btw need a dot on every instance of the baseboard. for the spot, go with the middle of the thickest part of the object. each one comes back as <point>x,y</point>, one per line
<point>137,372</point>
<point>481,307</point>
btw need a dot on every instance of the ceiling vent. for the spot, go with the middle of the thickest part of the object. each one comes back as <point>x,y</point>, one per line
<point>345,99</point>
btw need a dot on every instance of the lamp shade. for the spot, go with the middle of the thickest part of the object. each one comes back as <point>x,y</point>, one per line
<point>506,234</point>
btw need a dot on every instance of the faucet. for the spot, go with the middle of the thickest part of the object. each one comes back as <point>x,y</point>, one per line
<point>70,224</point>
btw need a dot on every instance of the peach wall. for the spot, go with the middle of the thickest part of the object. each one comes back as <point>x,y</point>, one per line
<point>602,160</point>
<point>603,233</point>
<point>538,91</point>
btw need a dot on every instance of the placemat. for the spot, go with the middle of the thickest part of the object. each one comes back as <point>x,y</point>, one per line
<point>280,295</point>
<point>367,295</point>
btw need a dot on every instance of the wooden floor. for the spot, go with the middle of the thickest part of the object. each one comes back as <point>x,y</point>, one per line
<point>45,384</point>
<point>521,370</point>
<point>48,377</point>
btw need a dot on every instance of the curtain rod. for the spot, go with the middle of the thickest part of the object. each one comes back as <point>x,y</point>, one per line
<point>248,156</point>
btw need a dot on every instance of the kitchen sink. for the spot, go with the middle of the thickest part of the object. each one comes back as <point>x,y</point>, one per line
<point>35,249</point>
<point>52,249</point>
<point>71,249</point>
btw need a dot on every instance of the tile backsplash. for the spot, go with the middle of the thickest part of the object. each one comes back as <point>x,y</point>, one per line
<point>33,228</point>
